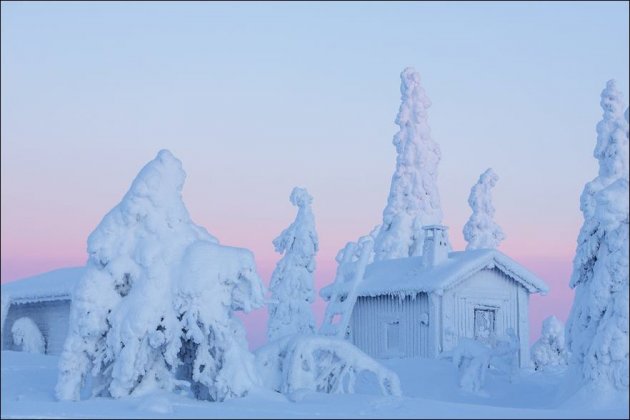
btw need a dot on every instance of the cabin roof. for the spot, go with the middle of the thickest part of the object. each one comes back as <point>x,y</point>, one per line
<point>53,285</point>
<point>408,276</point>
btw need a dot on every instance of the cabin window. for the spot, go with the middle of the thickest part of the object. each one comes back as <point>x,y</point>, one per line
<point>485,321</point>
<point>393,337</point>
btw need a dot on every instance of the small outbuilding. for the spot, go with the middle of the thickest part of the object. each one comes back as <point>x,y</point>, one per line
<point>421,306</point>
<point>44,299</point>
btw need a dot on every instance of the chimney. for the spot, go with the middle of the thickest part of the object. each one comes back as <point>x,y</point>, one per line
<point>435,247</point>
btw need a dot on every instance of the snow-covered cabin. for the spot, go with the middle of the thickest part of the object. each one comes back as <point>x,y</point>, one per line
<point>420,306</point>
<point>45,299</point>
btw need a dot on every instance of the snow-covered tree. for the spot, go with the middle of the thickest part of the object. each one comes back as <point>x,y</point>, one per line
<point>597,328</point>
<point>413,199</point>
<point>550,351</point>
<point>155,306</point>
<point>481,231</point>
<point>321,364</point>
<point>27,336</point>
<point>292,281</point>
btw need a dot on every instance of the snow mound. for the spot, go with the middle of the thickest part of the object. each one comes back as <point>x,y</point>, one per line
<point>27,335</point>
<point>159,404</point>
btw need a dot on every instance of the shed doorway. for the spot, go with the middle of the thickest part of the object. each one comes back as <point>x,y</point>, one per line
<point>394,345</point>
<point>485,322</point>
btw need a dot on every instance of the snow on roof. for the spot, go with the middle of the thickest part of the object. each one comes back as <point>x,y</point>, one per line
<point>56,284</point>
<point>408,276</point>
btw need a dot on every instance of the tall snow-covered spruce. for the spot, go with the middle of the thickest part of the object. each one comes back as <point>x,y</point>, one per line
<point>481,231</point>
<point>155,306</point>
<point>597,328</point>
<point>413,199</point>
<point>292,281</point>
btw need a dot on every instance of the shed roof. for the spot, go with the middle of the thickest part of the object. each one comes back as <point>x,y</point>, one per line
<point>56,284</point>
<point>409,276</point>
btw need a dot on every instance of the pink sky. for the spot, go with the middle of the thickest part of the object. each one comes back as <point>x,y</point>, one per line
<point>48,233</point>
<point>554,270</point>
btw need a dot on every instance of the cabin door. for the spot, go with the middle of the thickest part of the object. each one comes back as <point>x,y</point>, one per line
<point>393,338</point>
<point>485,322</point>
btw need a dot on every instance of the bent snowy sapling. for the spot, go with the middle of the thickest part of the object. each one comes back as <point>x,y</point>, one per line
<point>292,280</point>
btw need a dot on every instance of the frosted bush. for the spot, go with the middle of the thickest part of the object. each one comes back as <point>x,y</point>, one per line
<point>472,359</point>
<point>321,364</point>
<point>292,281</point>
<point>27,336</point>
<point>550,351</point>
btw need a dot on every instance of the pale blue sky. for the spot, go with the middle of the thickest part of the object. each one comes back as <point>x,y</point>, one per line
<point>256,98</point>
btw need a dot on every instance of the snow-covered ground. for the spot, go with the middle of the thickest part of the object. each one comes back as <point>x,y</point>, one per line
<point>429,386</point>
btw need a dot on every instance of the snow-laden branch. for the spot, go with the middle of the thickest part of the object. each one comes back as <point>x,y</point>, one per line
<point>321,364</point>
